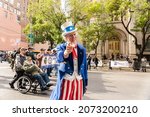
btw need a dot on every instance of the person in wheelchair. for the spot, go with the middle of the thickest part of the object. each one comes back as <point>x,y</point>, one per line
<point>37,73</point>
<point>19,60</point>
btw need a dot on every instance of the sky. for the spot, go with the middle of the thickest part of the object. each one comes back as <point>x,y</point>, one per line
<point>63,4</point>
<point>64,7</point>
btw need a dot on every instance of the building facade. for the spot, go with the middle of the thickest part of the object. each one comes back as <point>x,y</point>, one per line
<point>11,24</point>
<point>13,20</point>
<point>23,19</point>
<point>122,43</point>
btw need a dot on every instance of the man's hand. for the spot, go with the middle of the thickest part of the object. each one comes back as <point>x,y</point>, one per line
<point>68,50</point>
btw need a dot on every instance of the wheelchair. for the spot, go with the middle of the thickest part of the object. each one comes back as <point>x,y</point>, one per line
<point>27,83</point>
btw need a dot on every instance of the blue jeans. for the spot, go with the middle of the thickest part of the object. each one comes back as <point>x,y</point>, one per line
<point>42,79</point>
<point>56,69</point>
<point>49,71</point>
<point>1,59</point>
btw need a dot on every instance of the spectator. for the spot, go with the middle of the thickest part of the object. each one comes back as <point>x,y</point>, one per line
<point>117,56</point>
<point>136,64</point>
<point>31,53</point>
<point>143,64</point>
<point>54,61</point>
<point>121,56</point>
<point>89,62</point>
<point>40,56</point>
<point>104,57</point>
<point>20,58</point>
<point>96,60</point>
<point>109,64</point>
<point>50,67</point>
<point>112,56</point>
<point>13,57</point>
<point>1,55</point>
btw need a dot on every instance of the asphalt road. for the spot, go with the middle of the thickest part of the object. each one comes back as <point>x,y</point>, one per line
<point>103,85</point>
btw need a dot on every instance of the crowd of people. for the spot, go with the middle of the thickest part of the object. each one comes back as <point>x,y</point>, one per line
<point>68,60</point>
<point>91,59</point>
<point>135,64</point>
<point>25,60</point>
<point>3,56</point>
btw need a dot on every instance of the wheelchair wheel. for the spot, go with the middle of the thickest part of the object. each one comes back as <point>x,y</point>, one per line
<point>34,86</point>
<point>24,84</point>
<point>34,91</point>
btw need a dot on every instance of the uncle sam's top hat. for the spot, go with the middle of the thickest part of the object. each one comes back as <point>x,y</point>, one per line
<point>67,28</point>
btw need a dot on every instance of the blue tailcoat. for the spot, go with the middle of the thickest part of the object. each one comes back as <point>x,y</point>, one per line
<point>66,67</point>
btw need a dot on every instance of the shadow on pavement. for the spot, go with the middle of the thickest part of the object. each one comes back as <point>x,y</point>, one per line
<point>6,77</point>
<point>99,84</point>
<point>4,82</point>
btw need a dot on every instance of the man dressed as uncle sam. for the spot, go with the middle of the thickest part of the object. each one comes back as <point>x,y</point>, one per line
<point>72,72</point>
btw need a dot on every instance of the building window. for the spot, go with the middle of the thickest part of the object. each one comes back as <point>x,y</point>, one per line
<point>8,8</point>
<point>18,18</point>
<point>18,12</point>
<point>5,6</point>
<point>15,11</point>
<point>11,9</point>
<point>18,5</point>
<point>1,4</point>
<point>11,1</point>
<point>148,47</point>
<point>5,14</point>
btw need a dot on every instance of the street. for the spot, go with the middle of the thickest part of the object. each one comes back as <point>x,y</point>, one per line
<point>102,85</point>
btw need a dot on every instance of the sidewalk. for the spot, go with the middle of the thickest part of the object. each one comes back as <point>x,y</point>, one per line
<point>106,69</point>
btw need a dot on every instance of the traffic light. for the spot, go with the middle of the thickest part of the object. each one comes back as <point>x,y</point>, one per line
<point>31,37</point>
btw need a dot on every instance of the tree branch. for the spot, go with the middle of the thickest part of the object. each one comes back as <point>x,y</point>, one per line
<point>128,30</point>
<point>147,40</point>
<point>129,21</point>
<point>147,24</point>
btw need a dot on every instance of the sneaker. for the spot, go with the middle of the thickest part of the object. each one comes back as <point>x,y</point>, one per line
<point>11,86</point>
<point>49,84</point>
<point>45,88</point>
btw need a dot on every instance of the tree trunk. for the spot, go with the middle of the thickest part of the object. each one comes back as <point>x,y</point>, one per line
<point>51,44</point>
<point>96,46</point>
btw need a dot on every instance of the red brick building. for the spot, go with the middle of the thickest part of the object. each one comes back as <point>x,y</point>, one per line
<point>12,21</point>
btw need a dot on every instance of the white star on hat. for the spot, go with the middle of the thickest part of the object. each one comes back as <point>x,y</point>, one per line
<point>70,28</point>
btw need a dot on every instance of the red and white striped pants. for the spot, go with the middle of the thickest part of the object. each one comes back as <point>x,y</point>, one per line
<point>71,90</point>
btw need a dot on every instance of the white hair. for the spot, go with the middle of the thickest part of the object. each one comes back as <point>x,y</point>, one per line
<point>77,36</point>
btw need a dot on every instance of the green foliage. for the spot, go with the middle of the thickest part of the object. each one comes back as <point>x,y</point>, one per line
<point>142,13</point>
<point>78,10</point>
<point>99,27</point>
<point>125,8</point>
<point>46,18</point>
<point>93,19</point>
<point>128,11</point>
